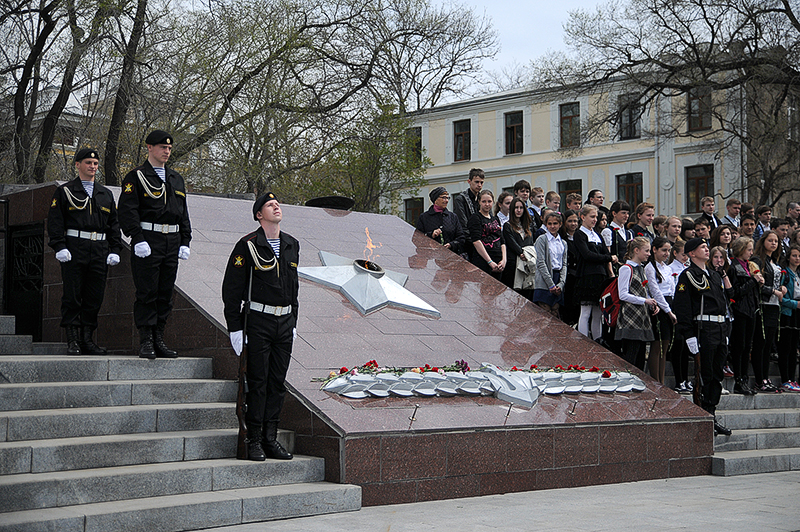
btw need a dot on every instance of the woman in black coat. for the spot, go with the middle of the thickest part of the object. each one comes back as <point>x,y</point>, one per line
<point>442,225</point>
<point>746,287</point>
<point>517,234</point>
<point>593,261</point>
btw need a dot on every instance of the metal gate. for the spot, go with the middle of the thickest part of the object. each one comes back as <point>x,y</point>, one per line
<point>25,269</point>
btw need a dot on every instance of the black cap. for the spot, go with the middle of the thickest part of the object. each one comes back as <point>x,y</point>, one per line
<point>158,137</point>
<point>436,192</point>
<point>260,203</point>
<point>693,244</point>
<point>86,153</point>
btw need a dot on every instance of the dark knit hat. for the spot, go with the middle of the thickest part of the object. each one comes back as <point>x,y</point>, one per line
<point>436,192</point>
<point>260,203</point>
<point>693,244</point>
<point>158,137</point>
<point>86,153</point>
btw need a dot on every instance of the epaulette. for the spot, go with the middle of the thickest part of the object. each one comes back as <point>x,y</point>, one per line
<point>701,284</point>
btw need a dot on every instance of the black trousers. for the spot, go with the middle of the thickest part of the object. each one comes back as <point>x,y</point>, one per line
<point>764,337</point>
<point>154,278</point>
<point>713,353</point>
<point>741,343</point>
<point>787,345</point>
<point>269,344</point>
<point>84,279</point>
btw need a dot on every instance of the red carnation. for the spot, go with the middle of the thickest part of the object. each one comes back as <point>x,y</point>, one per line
<point>606,374</point>
<point>639,234</point>
<point>595,369</point>
<point>343,370</point>
<point>644,283</point>
<point>534,366</point>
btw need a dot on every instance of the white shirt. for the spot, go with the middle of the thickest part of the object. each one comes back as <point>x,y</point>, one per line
<point>593,236</point>
<point>733,221</point>
<point>608,233</point>
<point>624,284</point>
<point>556,250</point>
<point>660,290</point>
<point>502,217</point>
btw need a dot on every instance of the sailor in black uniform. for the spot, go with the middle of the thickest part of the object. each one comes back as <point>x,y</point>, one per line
<point>84,232</point>
<point>701,306</point>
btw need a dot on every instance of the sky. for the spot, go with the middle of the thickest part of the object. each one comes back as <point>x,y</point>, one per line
<point>526,29</point>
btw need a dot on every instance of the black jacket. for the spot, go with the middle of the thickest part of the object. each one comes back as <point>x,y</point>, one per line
<point>98,215</point>
<point>277,287</point>
<point>769,278</point>
<point>453,232</point>
<point>136,205</point>
<point>638,230</point>
<point>592,257</point>
<point>465,204</point>
<point>693,284</point>
<point>744,290</point>
<point>712,220</point>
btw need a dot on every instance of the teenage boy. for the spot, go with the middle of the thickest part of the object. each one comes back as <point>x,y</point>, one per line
<point>522,190</point>
<point>701,229</point>
<point>708,206</point>
<point>734,207</point>
<point>553,201</point>
<point>764,216</point>
<point>465,204</point>
<point>574,202</point>
<point>747,225</point>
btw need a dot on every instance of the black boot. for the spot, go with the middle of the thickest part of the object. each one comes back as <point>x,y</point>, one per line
<point>255,451</point>
<point>740,387</point>
<point>161,348</point>
<point>73,344</point>
<point>272,446</point>
<point>719,429</point>
<point>146,349</point>
<point>88,347</point>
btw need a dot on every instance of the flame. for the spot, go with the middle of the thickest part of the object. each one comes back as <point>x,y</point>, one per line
<point>369,249</point>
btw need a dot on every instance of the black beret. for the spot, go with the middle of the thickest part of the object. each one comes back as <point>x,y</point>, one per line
<point>86,153</point>
<point>260,203</point>
<point>436,192</point>
<point>158,137</point>
<point>693,244</point>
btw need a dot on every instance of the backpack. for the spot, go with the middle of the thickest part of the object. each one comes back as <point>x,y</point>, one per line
<point>610,303</point>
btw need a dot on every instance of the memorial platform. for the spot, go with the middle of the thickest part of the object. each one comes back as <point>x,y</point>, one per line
<point>453,447</point>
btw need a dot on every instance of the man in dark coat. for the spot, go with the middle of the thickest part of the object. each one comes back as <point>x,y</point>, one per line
<point>261,280</point>
<point>153,213</point>
<point>84,232</point>
<point>442,225</point>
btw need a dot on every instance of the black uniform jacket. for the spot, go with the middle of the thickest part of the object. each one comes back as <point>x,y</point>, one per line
<point>277,287</point>
<point>99,215</point>
<point>452,231</point>
<point>136,205</point>
<point>693,284</point>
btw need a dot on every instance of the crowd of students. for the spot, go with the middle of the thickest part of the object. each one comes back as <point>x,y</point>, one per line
<point>563,259</point>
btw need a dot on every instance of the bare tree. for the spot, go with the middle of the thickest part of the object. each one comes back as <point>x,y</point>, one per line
<point>735,61</point>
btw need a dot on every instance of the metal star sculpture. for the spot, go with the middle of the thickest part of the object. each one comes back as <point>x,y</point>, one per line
<point>368,286</point>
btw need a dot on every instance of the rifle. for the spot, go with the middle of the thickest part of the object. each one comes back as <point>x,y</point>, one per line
<point>241,397</point>
<point>697,393</point>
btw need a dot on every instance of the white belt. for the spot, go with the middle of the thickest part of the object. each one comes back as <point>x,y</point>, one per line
<point>159,228</point>
<point>714,318</point>
<point>87,235</point>
<point>269,309</point>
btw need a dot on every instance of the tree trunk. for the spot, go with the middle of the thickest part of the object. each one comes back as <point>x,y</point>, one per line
<point>123,98</point>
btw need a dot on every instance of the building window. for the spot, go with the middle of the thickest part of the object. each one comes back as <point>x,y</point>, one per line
<point>414,207</point>
<point>699,183</point>
<point>699,109</point>
<point>630,113</point>
<point>570,114</point>
<point>414,146</point>
<point>461,140</point>
<point>513,132</point>
<point>568,187</point>
<point>629,188</point>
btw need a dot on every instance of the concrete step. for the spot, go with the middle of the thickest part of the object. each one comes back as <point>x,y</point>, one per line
<point>68,488</point>
<point>16,344</point>
<point>49,348</point>
<point>8,324</point>
<point>191,511</point>
<point>752,439</point>
<point>48,395</point>
<point>16,369</point>
<point>99,421</point>
<point>759,401</point>
<point>755,461</point>
<point>760,419</point>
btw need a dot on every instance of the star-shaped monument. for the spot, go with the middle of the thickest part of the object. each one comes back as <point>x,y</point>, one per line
<point>368,286</point>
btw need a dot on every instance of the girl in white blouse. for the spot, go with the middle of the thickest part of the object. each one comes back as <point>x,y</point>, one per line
<point>662,288</point>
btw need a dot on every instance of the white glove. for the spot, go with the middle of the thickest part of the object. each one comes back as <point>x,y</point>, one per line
<point>113,259</point>
<point>183,253</point>
<point>237,341</point>
<point>691,343</point>
<point>294,333</point>
<point>142,250</point>
<point>64,255</point>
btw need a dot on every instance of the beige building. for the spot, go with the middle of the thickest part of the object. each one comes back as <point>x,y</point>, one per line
<point>549,140</point>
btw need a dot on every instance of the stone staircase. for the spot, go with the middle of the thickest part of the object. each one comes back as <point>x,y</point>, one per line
<point>122,443</point>
<point>766,434</point>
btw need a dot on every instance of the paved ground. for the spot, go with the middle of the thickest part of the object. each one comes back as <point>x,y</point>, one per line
<point>764,503</point>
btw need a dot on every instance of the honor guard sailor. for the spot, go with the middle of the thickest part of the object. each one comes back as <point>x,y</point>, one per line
<point>153,213</point>
<point>84,232</point>
<point>261,280</point>
<point>701,305</point>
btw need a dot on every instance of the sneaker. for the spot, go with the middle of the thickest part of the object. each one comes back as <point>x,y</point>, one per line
<point>681,388</point>
<point>689,386</point>
<point>727,371</point>
<point>789,386</point>
<point>725,391</point>
<point>772,387</point>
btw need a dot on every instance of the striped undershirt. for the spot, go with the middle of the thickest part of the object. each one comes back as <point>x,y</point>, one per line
<point>276,246</point>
